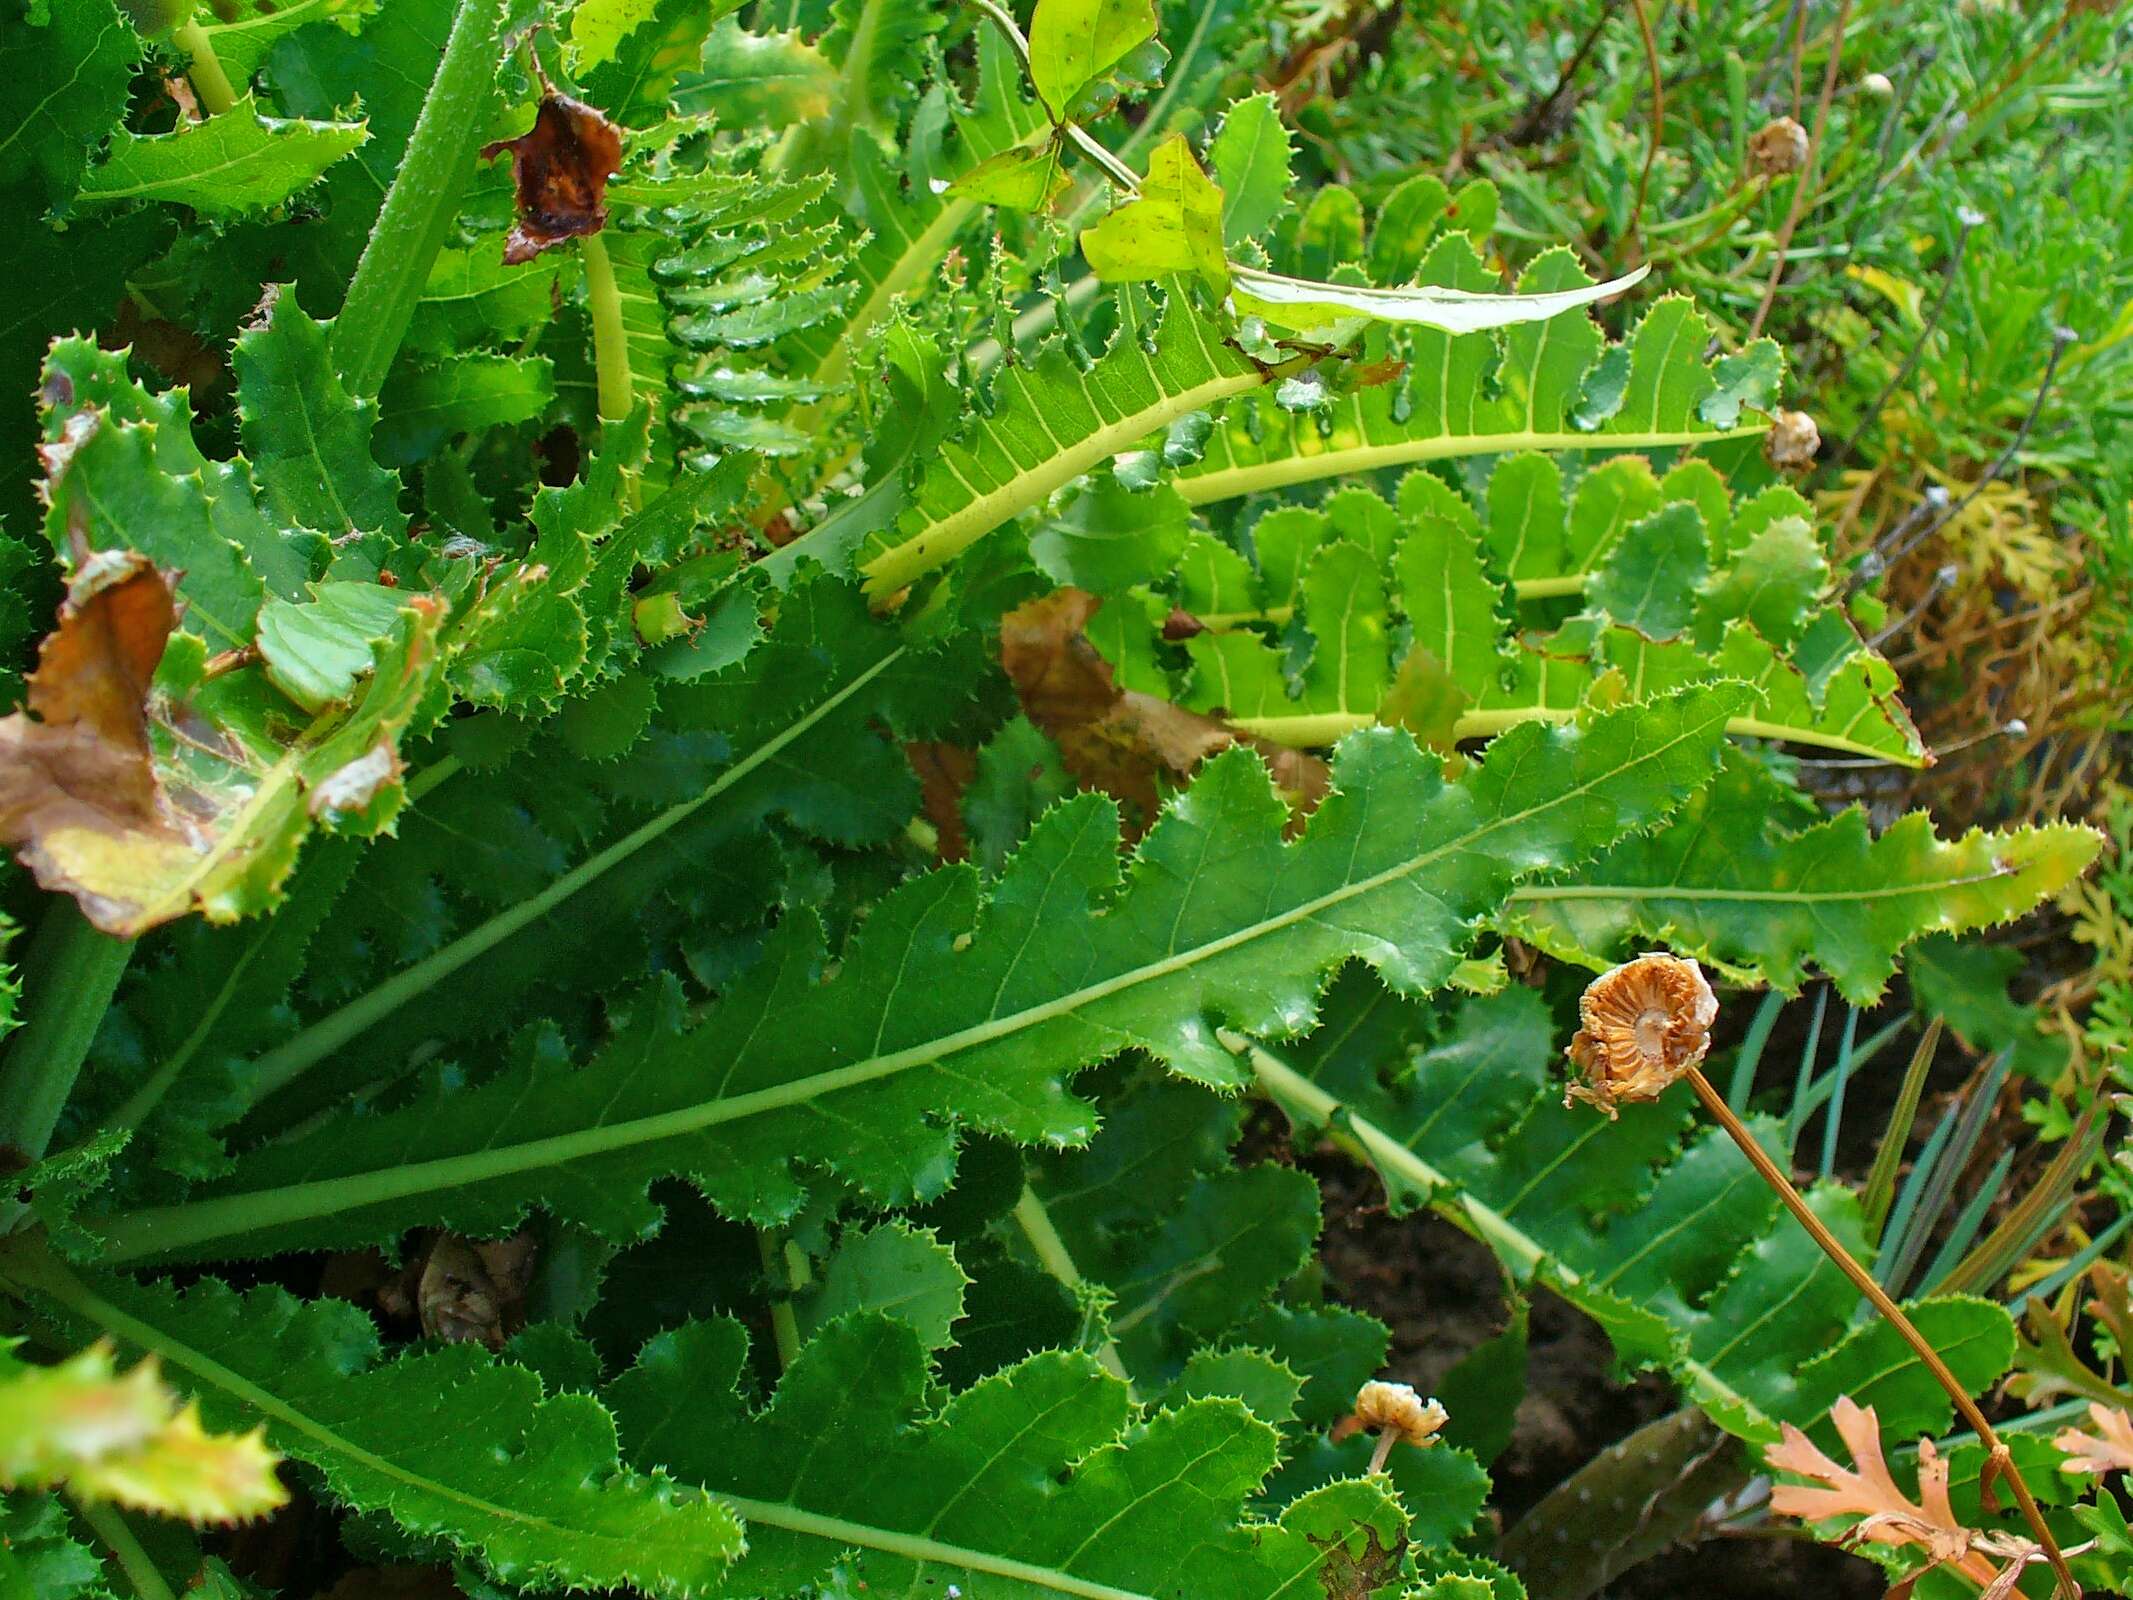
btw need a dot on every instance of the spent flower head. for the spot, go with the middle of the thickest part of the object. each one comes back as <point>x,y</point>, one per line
<point>1643,1025</point>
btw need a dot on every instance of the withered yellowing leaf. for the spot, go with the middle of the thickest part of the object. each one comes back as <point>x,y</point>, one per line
<point>77,778</point>
<point>1120,740</point>
<point>560,167</point>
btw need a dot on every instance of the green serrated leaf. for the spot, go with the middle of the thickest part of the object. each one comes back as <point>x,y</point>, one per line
<point>996,1491</point>
<point>316,650</point>
<point>922,1030</point>
<point>448,1442</point>
<point>233,164</point>
<point>63,79</point>
<point>894,1270</point>
<point>309,440</point>
<point>1250,154</point>
<point>1075,44</point>
<point>242,39</point>
<point>1737,889</point>
<point>1171,228</point>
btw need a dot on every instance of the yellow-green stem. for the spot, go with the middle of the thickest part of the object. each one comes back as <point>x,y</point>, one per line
<point>1053,1255</point>
<point>611,353</point>
<point>211,85</point>
<point>132,1558</point>
<point>784,1324</point>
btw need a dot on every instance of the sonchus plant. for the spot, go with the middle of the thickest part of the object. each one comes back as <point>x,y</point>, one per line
<point>713,684</point>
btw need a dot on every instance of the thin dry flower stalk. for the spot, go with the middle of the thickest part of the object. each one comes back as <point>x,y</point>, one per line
<point>1644,1024</point>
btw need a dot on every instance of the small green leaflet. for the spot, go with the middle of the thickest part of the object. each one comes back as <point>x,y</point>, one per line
<point>896,1270</point>
<point>1171,228</point>
<point>1025,178</point>
<point>1250,155</point>
<point>315,650</point>
<point>1074,44</point>
<point>230,165</point>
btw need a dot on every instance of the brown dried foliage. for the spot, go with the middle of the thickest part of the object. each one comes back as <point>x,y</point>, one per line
<point>2108,1449</point>
<point>1867,1490</point>
<point>560,167</point>
<point>76,768</point>
<point>1127,744</point>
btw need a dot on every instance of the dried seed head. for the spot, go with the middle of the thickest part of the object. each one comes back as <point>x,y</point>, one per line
<point>1646,1023</point>
<point>1793,441</point>
<point>1394,1408</point>
<point>1778,148</point>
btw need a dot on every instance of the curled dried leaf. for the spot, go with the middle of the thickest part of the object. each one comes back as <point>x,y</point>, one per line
<point>560,168</point>
<point>1395,1408</point>
<point>2108,1449</point>
<point>1644,1024</point>
<point>1119,740</point>
<point>1867,1490</point>
<point>77,776</point>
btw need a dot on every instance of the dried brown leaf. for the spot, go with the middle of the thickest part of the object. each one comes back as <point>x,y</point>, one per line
<point>474,1292</point>
<point>560,167</point>
<point>1120,741</point>
<point>1867,1490</point>
<point>77,776</point>
<point>944,772</point>
<point>2108,1449</point>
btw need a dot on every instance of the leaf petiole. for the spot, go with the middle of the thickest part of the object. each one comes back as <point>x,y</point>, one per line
<point>211,84</point>
<point>71,972</point>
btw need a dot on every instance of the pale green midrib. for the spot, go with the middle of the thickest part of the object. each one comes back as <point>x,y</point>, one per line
<point>940,541</point>
<point>1229,482</point>
<point>1309,729</point>
<point>279,19</point>
<point>1284,1084</point>
<point>1521,588</point>
<point>61,1284</point>
<point>132,1234</point>
<point>774,1515</point>
<point>276,1069</point>
<point>1649,891</point>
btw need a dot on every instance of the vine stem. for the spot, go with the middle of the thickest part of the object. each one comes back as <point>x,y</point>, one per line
<point>132,1558</point>
<point>210,82</point>
<point>2001,1460</point>
<point>69,975</point>
<point>423,199</point>
<point>611,353</point>
<point>1053,1255</point>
